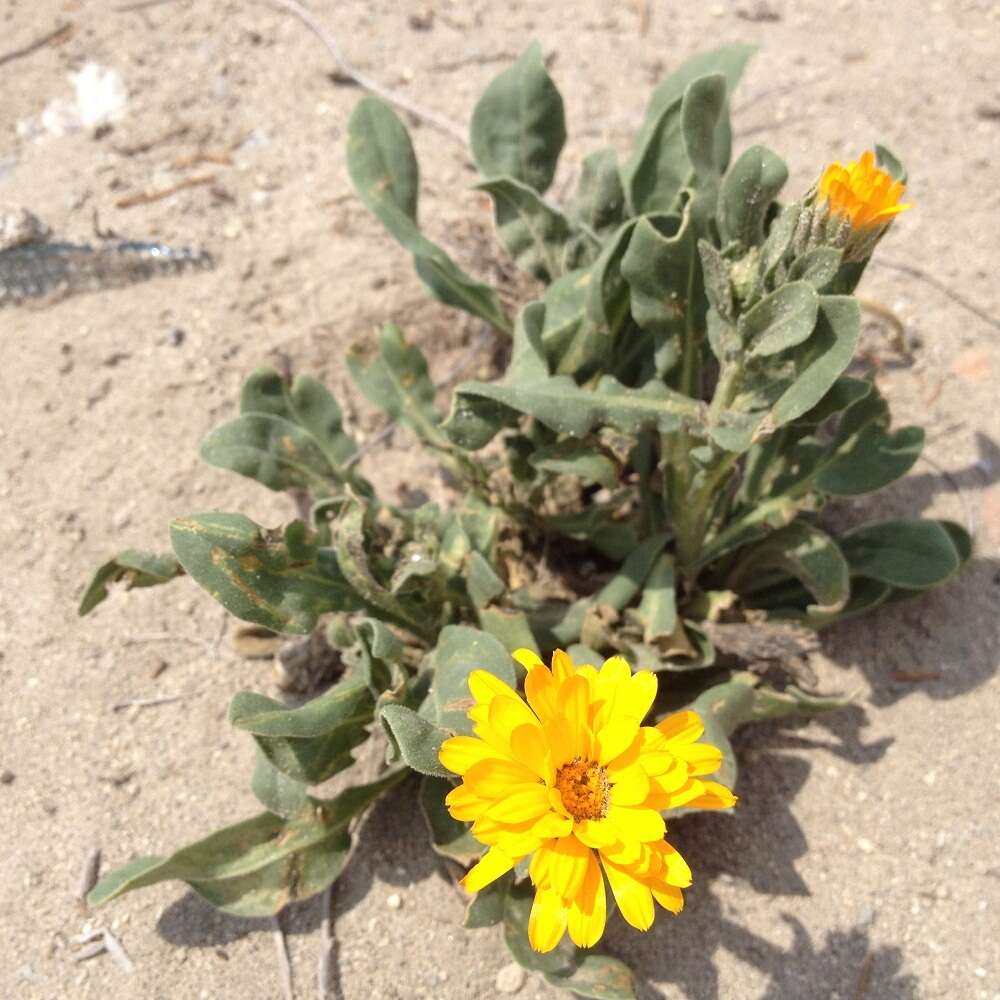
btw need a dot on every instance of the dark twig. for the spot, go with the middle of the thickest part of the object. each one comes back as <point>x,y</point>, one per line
<point>432,118</point>
<point>149,702</point>
<point>921,275</point>
<point>39,43</point>
<point>145,197</point>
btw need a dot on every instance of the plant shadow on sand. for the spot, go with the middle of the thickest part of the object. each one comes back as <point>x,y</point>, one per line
<point>721,849</point>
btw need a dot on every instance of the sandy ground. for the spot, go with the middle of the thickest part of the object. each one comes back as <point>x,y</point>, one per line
<point>863,860</point>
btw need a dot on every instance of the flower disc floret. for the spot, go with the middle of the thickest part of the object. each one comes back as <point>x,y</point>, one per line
<point>569,777</point>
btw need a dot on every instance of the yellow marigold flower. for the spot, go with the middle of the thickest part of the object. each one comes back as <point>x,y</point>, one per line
<point>573,779</point>
<point>861,192</point>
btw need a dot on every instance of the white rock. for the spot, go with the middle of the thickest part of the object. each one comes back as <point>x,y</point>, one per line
<point>510,978</point>
<point>394,902</point>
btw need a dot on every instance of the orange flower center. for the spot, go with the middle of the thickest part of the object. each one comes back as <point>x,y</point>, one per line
<point>584,788</point>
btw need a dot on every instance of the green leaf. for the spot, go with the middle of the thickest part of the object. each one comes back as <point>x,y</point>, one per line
<point>600,201</point>
<point>574,458</point>
<point>487,906</point>
<point>618,592</point>
<point>748,189</point>
<point>657,170</point>
<point>518,127</point>
<point>607,292</point>
<point>310,743</point>
<point>781,320</point>
<point>383,168</point>
<point>274,790</point>
<point>599,977</point>
<point>658,608</point>
<point>730,62</point>
<point>912,555</point>
<point>255,868</point>
<point>449,837</point>
<point>352,558</point>
<point>804,552</point>
<point>135,568</point>
<point>572,342</point>
<point>395,379</point>
<point>664,279</point>
<point>889,162</point>
<point>483,584</point>
<point>534,233</point>
<point>460,651</point>
<point>567,408</point>
<point>418,740</point>
<point>252,574</point>
<point>818,267</point>
<point>306,402</point>
<point>512,628</point>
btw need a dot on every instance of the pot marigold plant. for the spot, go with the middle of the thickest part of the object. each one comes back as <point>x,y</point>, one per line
<point>647,477</point>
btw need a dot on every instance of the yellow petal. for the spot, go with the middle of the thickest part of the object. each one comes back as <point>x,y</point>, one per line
<point>494,778</point>
<point>489,868</point>
<point>644,825</point>
<point>529,748</point>
<point>524,803</point>
<point>588,910</point>
<point>630,787</point>
<point>675,870</point>
<point>552,825</point>
<point>464,805</point>
<point>484,687</point>
<point>459,753</point>
<point>547,922</point>
<point>528,658</point>
<point>568,866</point>
<point>542,691</point>
<point>671,898</point>
<point>714,796</point>
<point>701,758</point>
<point>574,703</point>
<point>562,666</point>
<point>561,740</point>
<point>614,738</point>
<point>595,832</point>
<point>633,897</point>
<point>682,727</point>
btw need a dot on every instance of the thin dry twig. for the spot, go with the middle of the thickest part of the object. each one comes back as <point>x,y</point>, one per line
<point>445,125</point>
<point>125,8</point>
<point>145,197</point>
<point>117,951</point>
<point>150,702</point>
<point>324,972</point>
<point>284,965</point>
<point>88,874</point>
<point>91,950</point>
<point>39,43</point>
<point>922,275</point>
<point>137,640</point>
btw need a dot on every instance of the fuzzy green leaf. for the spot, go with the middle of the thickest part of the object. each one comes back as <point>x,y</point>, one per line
<point>748,189</point>
<point>274,790</point>
<point>449,837</point>
<point>381,163</point>
<point>135,568</point>
<point>310,743</point>
<point>487,906</point>
<point>518,127</point>
<point>574,458</point>
<point>255,868</point>
<point>912,555</point>
<point>804,552</point>
<point>253,575</point>
<point>534,233</point>
<point>657,610</point>
<point>460,651</point>
<point>600,202</point>
<point>599,977</point>
<point>418,740</point>
<point>781,320</point>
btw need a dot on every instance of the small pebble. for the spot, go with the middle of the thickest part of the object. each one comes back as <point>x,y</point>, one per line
<point>394,902</point>
<point>7,776</point>
<point>510,978</point>
<point>864,844</point>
